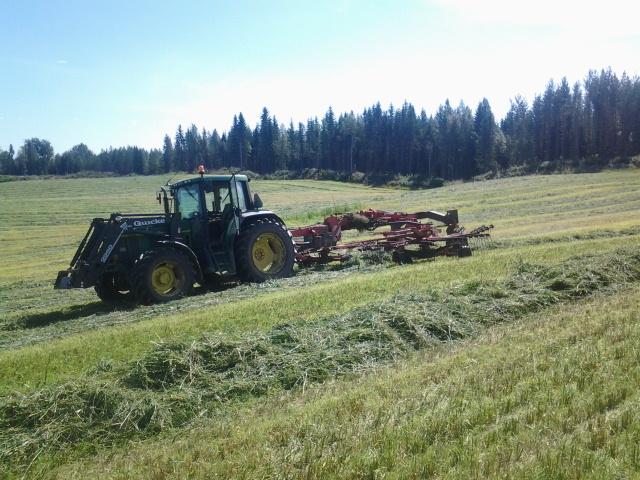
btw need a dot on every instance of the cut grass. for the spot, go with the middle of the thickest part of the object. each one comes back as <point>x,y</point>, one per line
<point>33,366</point>
<point>552,397</point>
<point>51,337</point>
<point>175,382</point>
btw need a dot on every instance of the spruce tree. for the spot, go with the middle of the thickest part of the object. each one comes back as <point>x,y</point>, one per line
<point>180,148</point>
<point>193,152</point>
<point>167,155</point>
<point>484,125</point>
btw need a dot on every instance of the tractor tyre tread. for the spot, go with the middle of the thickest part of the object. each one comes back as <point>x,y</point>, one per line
<point>107,292</point>
<point>140,281</point>
<point>244,264</point>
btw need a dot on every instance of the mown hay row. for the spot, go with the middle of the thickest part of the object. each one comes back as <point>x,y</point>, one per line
<point>175,382</point>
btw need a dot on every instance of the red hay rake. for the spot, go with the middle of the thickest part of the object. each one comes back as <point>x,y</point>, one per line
<point>407,238</point>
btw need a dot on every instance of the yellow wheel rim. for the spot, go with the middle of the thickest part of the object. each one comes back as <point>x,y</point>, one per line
<point>164,279</point>
<point>268,253</point>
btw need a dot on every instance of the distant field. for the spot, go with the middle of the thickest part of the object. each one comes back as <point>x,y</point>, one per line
<point>549,394</point>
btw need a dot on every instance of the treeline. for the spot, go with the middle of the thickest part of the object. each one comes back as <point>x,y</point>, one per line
<point>584,126</point>
<point>36,157</point>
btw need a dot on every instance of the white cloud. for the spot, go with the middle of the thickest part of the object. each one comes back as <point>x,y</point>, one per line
<point>62,62</point>
<point>592,17</point>
<point>424,74</point>
<point>425,78</point>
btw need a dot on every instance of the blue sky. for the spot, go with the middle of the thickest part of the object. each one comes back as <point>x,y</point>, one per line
<point>127,72</point>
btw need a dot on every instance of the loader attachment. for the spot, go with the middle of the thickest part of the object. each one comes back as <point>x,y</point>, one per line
<point>90,259</point>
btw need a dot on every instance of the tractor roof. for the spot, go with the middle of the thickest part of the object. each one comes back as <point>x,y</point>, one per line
<point>207,178</point>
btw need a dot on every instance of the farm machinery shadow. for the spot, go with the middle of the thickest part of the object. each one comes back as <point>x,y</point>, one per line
<point>74,312</point>
<point>99,308</point>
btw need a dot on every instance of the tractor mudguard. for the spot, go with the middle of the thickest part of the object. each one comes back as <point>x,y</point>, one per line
<point>259,214</point>
<point>187,251</point>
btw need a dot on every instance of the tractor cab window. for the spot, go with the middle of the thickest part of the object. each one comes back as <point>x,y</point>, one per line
<point>188,201</point>
<point>217,197</point>
<point>243,195</point>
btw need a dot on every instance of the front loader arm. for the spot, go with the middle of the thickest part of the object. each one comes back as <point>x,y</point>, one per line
<point>93,253</point>
<point>104,236</point>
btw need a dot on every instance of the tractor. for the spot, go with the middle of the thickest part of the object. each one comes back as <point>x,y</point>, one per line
<point>211,227</point>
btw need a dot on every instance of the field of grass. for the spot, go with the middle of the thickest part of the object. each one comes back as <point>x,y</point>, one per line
<point>544,388</point>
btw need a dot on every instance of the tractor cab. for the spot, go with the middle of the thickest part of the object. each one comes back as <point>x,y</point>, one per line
<point>211,210</point>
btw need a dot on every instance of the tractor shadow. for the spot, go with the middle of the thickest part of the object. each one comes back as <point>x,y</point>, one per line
<point>213,287</point>
<point>74,312</point>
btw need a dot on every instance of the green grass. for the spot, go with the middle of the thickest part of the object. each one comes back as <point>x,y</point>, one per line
<point>553,397</point>
<point>176,382</point>
<point>60,358</point>
<point>48,337</point>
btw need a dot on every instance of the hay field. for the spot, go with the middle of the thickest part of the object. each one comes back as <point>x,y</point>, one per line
<point>520,361</point>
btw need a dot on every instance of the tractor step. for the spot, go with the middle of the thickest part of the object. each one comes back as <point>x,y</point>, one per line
<point>222,261</point>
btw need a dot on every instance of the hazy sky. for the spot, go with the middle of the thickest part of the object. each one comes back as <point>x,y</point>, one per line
<point>127,72</point>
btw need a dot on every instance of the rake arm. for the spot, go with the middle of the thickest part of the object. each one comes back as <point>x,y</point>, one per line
<point>407,237</point>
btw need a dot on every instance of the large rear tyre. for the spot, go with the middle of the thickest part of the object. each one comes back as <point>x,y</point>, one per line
<point>113,288</point>
<point>264,251</point>
<point>162,275</point>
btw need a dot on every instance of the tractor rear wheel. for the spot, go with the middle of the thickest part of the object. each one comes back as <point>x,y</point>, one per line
<point>162,275</point>
<point>113,288</point>
<point>264,251</point>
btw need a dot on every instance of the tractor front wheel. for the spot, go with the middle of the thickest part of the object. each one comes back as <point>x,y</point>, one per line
<point>264,251</point>
<point>113,288</point>
<point>162,275</point>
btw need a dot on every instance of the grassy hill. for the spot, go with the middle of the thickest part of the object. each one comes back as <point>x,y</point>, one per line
<point>535,376</point>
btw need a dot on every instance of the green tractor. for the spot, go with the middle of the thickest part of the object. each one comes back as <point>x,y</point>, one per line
<point>212,227</point>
